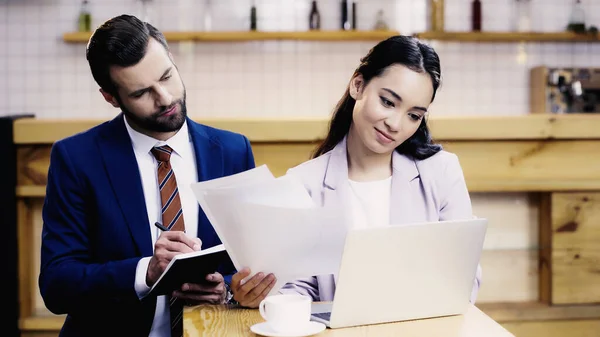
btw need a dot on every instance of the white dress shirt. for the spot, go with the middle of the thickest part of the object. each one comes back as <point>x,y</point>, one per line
<point>371,202</point>
<point>183,162</point>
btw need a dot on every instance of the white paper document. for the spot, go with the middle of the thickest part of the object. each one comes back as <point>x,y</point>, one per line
<point>271,225</point>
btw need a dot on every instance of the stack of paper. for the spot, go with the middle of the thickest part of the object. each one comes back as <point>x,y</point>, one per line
<point>271,225</point>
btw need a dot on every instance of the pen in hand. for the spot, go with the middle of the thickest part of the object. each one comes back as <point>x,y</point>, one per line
<point>165,229</point>
<point>161,227</point>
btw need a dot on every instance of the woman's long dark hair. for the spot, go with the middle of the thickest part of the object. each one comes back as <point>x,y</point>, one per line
<point>409,52</point>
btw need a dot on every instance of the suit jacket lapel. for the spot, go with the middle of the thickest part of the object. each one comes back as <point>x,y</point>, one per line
<point>122,169</point>
<point>404,170</point>
<point>209,165</point>
<point>336,188</point>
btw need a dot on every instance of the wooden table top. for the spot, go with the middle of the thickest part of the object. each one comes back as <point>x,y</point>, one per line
<point>236,322</point>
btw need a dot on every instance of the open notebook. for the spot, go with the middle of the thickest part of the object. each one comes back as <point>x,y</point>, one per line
<point>190,267</point>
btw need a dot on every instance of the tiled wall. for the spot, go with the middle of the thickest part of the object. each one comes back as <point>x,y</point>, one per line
<point>39,73</point>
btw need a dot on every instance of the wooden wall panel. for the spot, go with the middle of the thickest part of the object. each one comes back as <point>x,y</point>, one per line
<point>26,253</point>
<point>513,219</point>
<point>39,309</point>
<point>32,164</point>
<point>508,166</point>
<point>280,157</point>
<point>576,249</point>
<point>509,261</point>
<point>529,165</point>
<point>545,242</point>
<point>509,276</point>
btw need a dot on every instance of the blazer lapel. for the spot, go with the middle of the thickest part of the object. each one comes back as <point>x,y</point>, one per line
<point>209,165</point>
<point>404,170</point>
<point>336,191</point>
<point>122,169</point>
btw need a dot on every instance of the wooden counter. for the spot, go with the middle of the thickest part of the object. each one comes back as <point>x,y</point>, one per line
<point>498,154</point>
<point>445,128</point>
<point>221,321</point>
<point>554,160</point>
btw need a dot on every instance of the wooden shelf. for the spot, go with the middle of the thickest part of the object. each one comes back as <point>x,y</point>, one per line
<point>334,35</point>
<point>508,37</point>
<point>324,35</point>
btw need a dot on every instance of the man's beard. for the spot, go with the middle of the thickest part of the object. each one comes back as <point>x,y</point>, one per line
<point>157,123</point>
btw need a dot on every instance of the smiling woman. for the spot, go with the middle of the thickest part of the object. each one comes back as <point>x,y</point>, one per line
<point>387,99</point>
<point>378,159</point>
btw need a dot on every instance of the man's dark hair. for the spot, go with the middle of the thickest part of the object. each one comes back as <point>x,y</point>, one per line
<point>120,41</point>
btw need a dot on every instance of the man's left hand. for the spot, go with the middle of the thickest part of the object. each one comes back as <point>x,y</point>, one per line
<point>213,291</point>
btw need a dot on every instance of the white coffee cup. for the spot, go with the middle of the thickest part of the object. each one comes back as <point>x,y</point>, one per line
<point>287,313</point>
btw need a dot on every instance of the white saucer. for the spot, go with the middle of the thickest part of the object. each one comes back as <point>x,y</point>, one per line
<point>312,328</point>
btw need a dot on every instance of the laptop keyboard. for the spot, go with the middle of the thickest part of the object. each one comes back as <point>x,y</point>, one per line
<point>323,315</point>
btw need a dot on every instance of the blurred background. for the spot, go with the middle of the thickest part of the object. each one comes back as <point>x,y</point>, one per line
<point>42,73</point>
<point>506,60</point>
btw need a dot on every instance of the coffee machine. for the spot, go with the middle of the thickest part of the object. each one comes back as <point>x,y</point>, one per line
<point>565,90</point>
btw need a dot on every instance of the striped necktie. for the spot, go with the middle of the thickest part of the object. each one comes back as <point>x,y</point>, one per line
<point>172,218</point>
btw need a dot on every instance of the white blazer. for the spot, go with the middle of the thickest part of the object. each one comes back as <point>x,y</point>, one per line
<point>432,189</point>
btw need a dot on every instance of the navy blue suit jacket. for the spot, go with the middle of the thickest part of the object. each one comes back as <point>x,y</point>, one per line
<point>96,225</point>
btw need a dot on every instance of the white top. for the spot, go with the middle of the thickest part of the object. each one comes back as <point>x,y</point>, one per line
<point>183,161</point>
<point>371,202</point>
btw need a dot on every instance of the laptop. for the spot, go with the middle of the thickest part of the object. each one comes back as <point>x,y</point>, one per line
<point>404,272</point>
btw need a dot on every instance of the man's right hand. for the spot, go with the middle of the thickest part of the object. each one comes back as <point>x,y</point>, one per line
<point>253,291</point>
<point>166,247</point>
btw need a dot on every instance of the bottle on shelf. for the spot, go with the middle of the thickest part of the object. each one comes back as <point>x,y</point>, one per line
<point>207,17</point>
<point>522,15</point>
<point>253,16</point>
<point>314,19</point>
<point>380,22</point>
<point>354,15</point>
<point>577,18</point>
<point>85,17</point>
<point>345,24</point>
<point>144,9</point>
<point>476,15</point>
